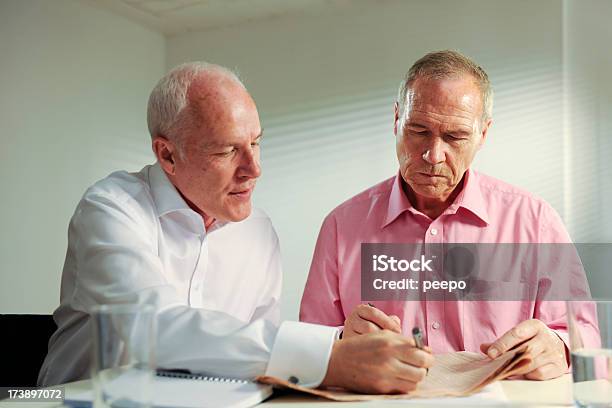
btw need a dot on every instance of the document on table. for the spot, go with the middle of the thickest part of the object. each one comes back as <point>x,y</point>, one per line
<point>172,390</point>
<point>453,375</point>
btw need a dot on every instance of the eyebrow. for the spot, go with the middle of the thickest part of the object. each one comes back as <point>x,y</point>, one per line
<point>459,133</point>
<point>452,132</point>
<point>413,124</point>
<point>213,145</point>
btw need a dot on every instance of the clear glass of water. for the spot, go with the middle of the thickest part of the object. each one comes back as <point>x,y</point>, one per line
<point>123,360</point>
<point>590,330</point>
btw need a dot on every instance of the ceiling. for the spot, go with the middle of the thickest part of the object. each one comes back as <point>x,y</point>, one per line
<point>173,17</point>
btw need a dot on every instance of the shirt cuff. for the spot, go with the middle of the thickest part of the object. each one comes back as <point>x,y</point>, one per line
<point>301,353</point>
<point>564,336</point>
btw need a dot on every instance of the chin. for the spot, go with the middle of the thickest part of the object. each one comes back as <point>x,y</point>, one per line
<point>428,191</point>
<point>239,214</point>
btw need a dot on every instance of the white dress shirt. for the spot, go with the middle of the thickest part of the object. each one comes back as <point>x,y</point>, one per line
<point>133,239</point>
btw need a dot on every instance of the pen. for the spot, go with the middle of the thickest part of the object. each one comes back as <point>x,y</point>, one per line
<point>417,335</point>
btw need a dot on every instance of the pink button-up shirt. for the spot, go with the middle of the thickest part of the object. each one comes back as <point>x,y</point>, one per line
<point>485,211</point>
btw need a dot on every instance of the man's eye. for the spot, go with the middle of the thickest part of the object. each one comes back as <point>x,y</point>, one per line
<point>225,153</point>
<point>255,143</point>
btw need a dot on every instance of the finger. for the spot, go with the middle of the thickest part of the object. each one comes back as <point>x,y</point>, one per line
<point>398,321</point>
<point>378,317</point>
<point>401,386</point>
<point>536,346</point>
<point>545,372</point>
<point>408,372</point>
<point>549,353</point>
<point>518,334</point>
<point>361,326</point>
<point>484,347</point>
<point>416,357</point>
<point>396,385</point>
<point>543,359</point>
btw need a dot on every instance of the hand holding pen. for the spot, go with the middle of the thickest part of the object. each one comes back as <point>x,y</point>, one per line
<point>388,361</point>
<point>369,319</point>
<point>366,319</point>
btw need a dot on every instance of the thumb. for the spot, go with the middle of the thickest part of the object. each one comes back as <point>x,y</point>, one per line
<point>398,322</point>
<point>484,347</point>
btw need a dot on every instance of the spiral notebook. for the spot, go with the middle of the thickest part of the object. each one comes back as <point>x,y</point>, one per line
<point>185,390</point>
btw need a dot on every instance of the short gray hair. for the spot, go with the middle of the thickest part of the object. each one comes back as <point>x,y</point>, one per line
<point>169,98</point>
<point>448,64</point>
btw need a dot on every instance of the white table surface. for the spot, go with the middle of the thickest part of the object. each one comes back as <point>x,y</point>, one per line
<point>519,393</point>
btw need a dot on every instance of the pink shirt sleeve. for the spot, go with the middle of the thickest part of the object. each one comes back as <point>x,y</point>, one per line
<point>572,282</point>
<point>321,299</point>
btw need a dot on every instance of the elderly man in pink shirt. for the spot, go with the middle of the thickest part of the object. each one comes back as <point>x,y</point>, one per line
<point>441,120</point>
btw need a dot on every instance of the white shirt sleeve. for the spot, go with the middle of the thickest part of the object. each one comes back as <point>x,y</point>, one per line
<point>117,262</point>
<point>299,350</point>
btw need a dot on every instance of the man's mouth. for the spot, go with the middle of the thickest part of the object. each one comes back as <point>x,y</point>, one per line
<point>242,192</point>
<point>429,174</point>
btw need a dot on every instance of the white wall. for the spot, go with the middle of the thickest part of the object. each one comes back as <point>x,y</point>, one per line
<point>75,81</point>
<point>588,64</point>
<point>74,86</point>
<point>325,87</point>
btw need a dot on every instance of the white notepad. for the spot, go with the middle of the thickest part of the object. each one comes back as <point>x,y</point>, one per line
<point>188,391</point>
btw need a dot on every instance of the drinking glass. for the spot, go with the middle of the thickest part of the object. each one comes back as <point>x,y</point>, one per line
<point>123,365</point>
<point>591,352</point>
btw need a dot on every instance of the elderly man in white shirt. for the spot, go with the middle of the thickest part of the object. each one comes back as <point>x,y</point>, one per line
<point>182,235</point>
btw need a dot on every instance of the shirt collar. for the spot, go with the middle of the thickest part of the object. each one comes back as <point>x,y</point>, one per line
<point>167,198</point>
<point>398,202</point>
<point>469,198</point>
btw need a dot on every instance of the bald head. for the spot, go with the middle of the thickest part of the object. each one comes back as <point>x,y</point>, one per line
<point>214,98</point>
<point>171,103</point>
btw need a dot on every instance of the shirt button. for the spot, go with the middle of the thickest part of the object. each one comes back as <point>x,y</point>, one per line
<point>435,325</point>
<point>433,231</point>
<point>293,379</point>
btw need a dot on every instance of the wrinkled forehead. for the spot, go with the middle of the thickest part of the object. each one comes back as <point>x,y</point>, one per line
<point>219,112</point>
<point>211,93</point>
<point>216,98</point>
<point>454,97</point>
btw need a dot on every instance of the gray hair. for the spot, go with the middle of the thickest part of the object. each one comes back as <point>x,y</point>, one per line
<point>169,99</point>
<point>448,64</point>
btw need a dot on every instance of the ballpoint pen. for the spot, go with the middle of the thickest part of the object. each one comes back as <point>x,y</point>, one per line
<point>417,335</point>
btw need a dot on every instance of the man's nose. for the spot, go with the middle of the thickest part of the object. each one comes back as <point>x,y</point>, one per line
<point>434,153</point>
<point>250,164</point>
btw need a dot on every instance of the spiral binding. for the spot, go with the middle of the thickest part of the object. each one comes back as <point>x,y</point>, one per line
<point>201,377</point>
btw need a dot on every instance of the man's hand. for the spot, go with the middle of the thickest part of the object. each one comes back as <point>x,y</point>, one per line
<point>366,319</point>
<point>546,349</point>
<point>377,363</point>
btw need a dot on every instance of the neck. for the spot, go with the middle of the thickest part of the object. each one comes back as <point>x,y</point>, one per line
<point>207,219</point>
<point>433,207</point>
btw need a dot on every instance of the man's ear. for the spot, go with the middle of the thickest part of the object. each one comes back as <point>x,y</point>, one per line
<point>395,118</point>
<point>483,133</point>
<point>165,151</point>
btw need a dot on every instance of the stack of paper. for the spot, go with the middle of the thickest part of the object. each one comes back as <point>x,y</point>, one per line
<point>454,374</point>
